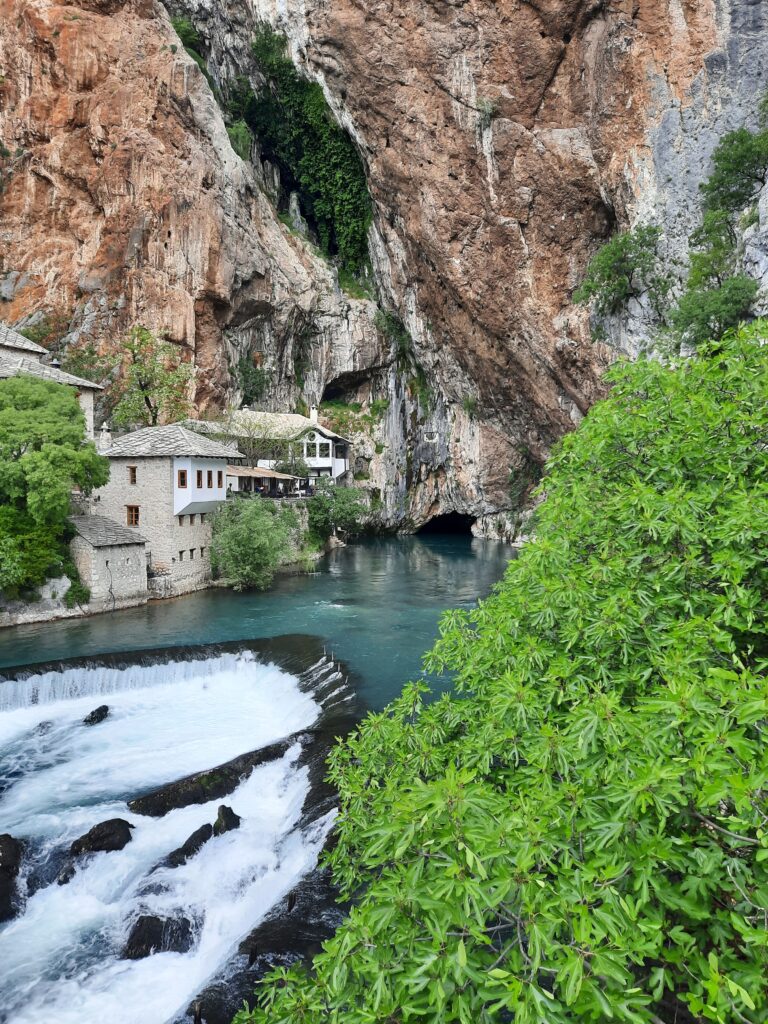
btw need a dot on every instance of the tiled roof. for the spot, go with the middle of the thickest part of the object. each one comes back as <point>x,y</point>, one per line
<point>13,365</point>
<point>12,339</point>
<point>101,532</point>
<point>250,423</point>
<point>173,441</point>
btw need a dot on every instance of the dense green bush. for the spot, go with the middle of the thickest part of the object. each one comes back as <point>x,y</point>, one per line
<point>315,155</point>
<point>581,833</point>
<point>334,508</point>
<point>251,538</point>
<point>624,267</point>
<point>704,313</point>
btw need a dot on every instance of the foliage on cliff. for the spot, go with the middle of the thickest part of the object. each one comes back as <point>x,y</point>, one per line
<point>717,295</point>
<point>581,833</point>
<point>154,382</point>
<point>43,455</point>
<point>316,156</point>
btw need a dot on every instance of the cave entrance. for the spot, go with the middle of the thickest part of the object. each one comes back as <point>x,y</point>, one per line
<point>449,522</point>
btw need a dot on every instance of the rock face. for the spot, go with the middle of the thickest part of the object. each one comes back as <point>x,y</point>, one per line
<point>107,836</point>
<point>503,142</point>
<point>151,934</point>
<point>11,851</point>
<point>193,845</point>
<point>97,715</point>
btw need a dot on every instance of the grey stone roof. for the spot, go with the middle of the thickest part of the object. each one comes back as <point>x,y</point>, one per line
<point>169,442</point>
<point>101,532</point>
<point>9,338</point>
<point>15,365</point>
<point>251,423</point>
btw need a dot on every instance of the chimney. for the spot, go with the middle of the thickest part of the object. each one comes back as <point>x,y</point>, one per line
<point>105,438</point>
<point>313,414</point>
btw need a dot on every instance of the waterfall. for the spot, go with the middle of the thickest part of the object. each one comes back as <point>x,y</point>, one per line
<point>60,957</point>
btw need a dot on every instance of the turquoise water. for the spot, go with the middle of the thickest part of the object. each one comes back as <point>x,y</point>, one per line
<point>375,604</point>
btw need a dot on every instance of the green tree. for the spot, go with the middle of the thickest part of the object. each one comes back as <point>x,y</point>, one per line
<point>43,456</point>
<point>705,313</point>
<point>580,833</point>
<point>740,167</point>
<point>154,384</point>
<point>251,538</point>
<point>624,267</point>
<point>334,508</point>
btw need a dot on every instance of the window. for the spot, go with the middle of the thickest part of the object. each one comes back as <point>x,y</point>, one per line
<point>191,554</point>
<point>132,515</point>
<point>210,478</point>
<point>181,556</point>
<point>220,479</point>
<point>325,451</point>
<point>202,552</point>
<point>182,477</point>
<point>202,518</point>
<point>200,478</point>
<point>131,474</point>
<point>181,520</point>
<point>192,519</point>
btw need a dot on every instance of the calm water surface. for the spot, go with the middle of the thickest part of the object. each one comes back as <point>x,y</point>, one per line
<point>376,605</point>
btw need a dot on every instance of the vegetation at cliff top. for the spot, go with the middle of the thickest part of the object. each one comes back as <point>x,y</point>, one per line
<point>315,155</point>
<point>580,833</point>
<point>43,455</point>
<point>251,538</point>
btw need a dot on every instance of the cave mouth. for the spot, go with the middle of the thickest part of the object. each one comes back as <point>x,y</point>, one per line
<point>449,522</point>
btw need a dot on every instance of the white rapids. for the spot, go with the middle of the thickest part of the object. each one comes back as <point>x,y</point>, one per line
<point>59,959</point>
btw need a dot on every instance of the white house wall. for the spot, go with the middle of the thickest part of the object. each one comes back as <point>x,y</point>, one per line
<point>192,497</point>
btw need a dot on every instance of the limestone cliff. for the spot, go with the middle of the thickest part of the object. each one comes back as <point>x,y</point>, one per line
<point>503,140</point>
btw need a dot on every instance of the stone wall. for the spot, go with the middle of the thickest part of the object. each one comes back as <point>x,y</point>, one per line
<point>170,538</point>
<point>116,576</point>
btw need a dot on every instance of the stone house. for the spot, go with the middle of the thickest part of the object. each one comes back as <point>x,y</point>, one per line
<point>19,356</point>
<point>272,434</point>
<point>164,483</point>
<point>112,562</point>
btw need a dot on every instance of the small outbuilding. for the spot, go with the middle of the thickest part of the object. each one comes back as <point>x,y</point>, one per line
<point>112,562</point>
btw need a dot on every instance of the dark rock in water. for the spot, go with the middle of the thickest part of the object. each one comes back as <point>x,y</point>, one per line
<point>188,849</point>
<point>106,836</point>
<point>97,715</point>
<point>211,784</point>
<point>226,821</point>
<point>42,728</point>
<point>67,873</point>
<point>11,851</point>
<point>151,934</point>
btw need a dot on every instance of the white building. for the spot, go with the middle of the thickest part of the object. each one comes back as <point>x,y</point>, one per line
<point>164,482</point>
<point>19,356</point>
<point>278,436</point>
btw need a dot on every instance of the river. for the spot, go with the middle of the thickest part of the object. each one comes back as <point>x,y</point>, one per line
<point>348,637</point>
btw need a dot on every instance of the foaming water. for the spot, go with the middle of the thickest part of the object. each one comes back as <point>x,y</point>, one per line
<point>60,959</point>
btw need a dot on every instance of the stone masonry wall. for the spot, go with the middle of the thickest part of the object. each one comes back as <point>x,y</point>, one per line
<point>116,576</point>
<point>166,537</point>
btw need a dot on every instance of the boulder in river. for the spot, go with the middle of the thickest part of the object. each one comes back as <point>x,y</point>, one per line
<point>212,784</point>
<point>188,849</point>
<point>104,837</point>
<point>226,820</point>
<point>10,861</point>
<point>152,934</point>
<point>97,715</point>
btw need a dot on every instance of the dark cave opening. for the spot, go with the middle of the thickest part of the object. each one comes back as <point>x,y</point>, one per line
<point>449,522</point>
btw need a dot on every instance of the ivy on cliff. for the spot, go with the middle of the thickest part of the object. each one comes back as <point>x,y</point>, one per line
<point>581,834</point>
<point>315,155</point>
